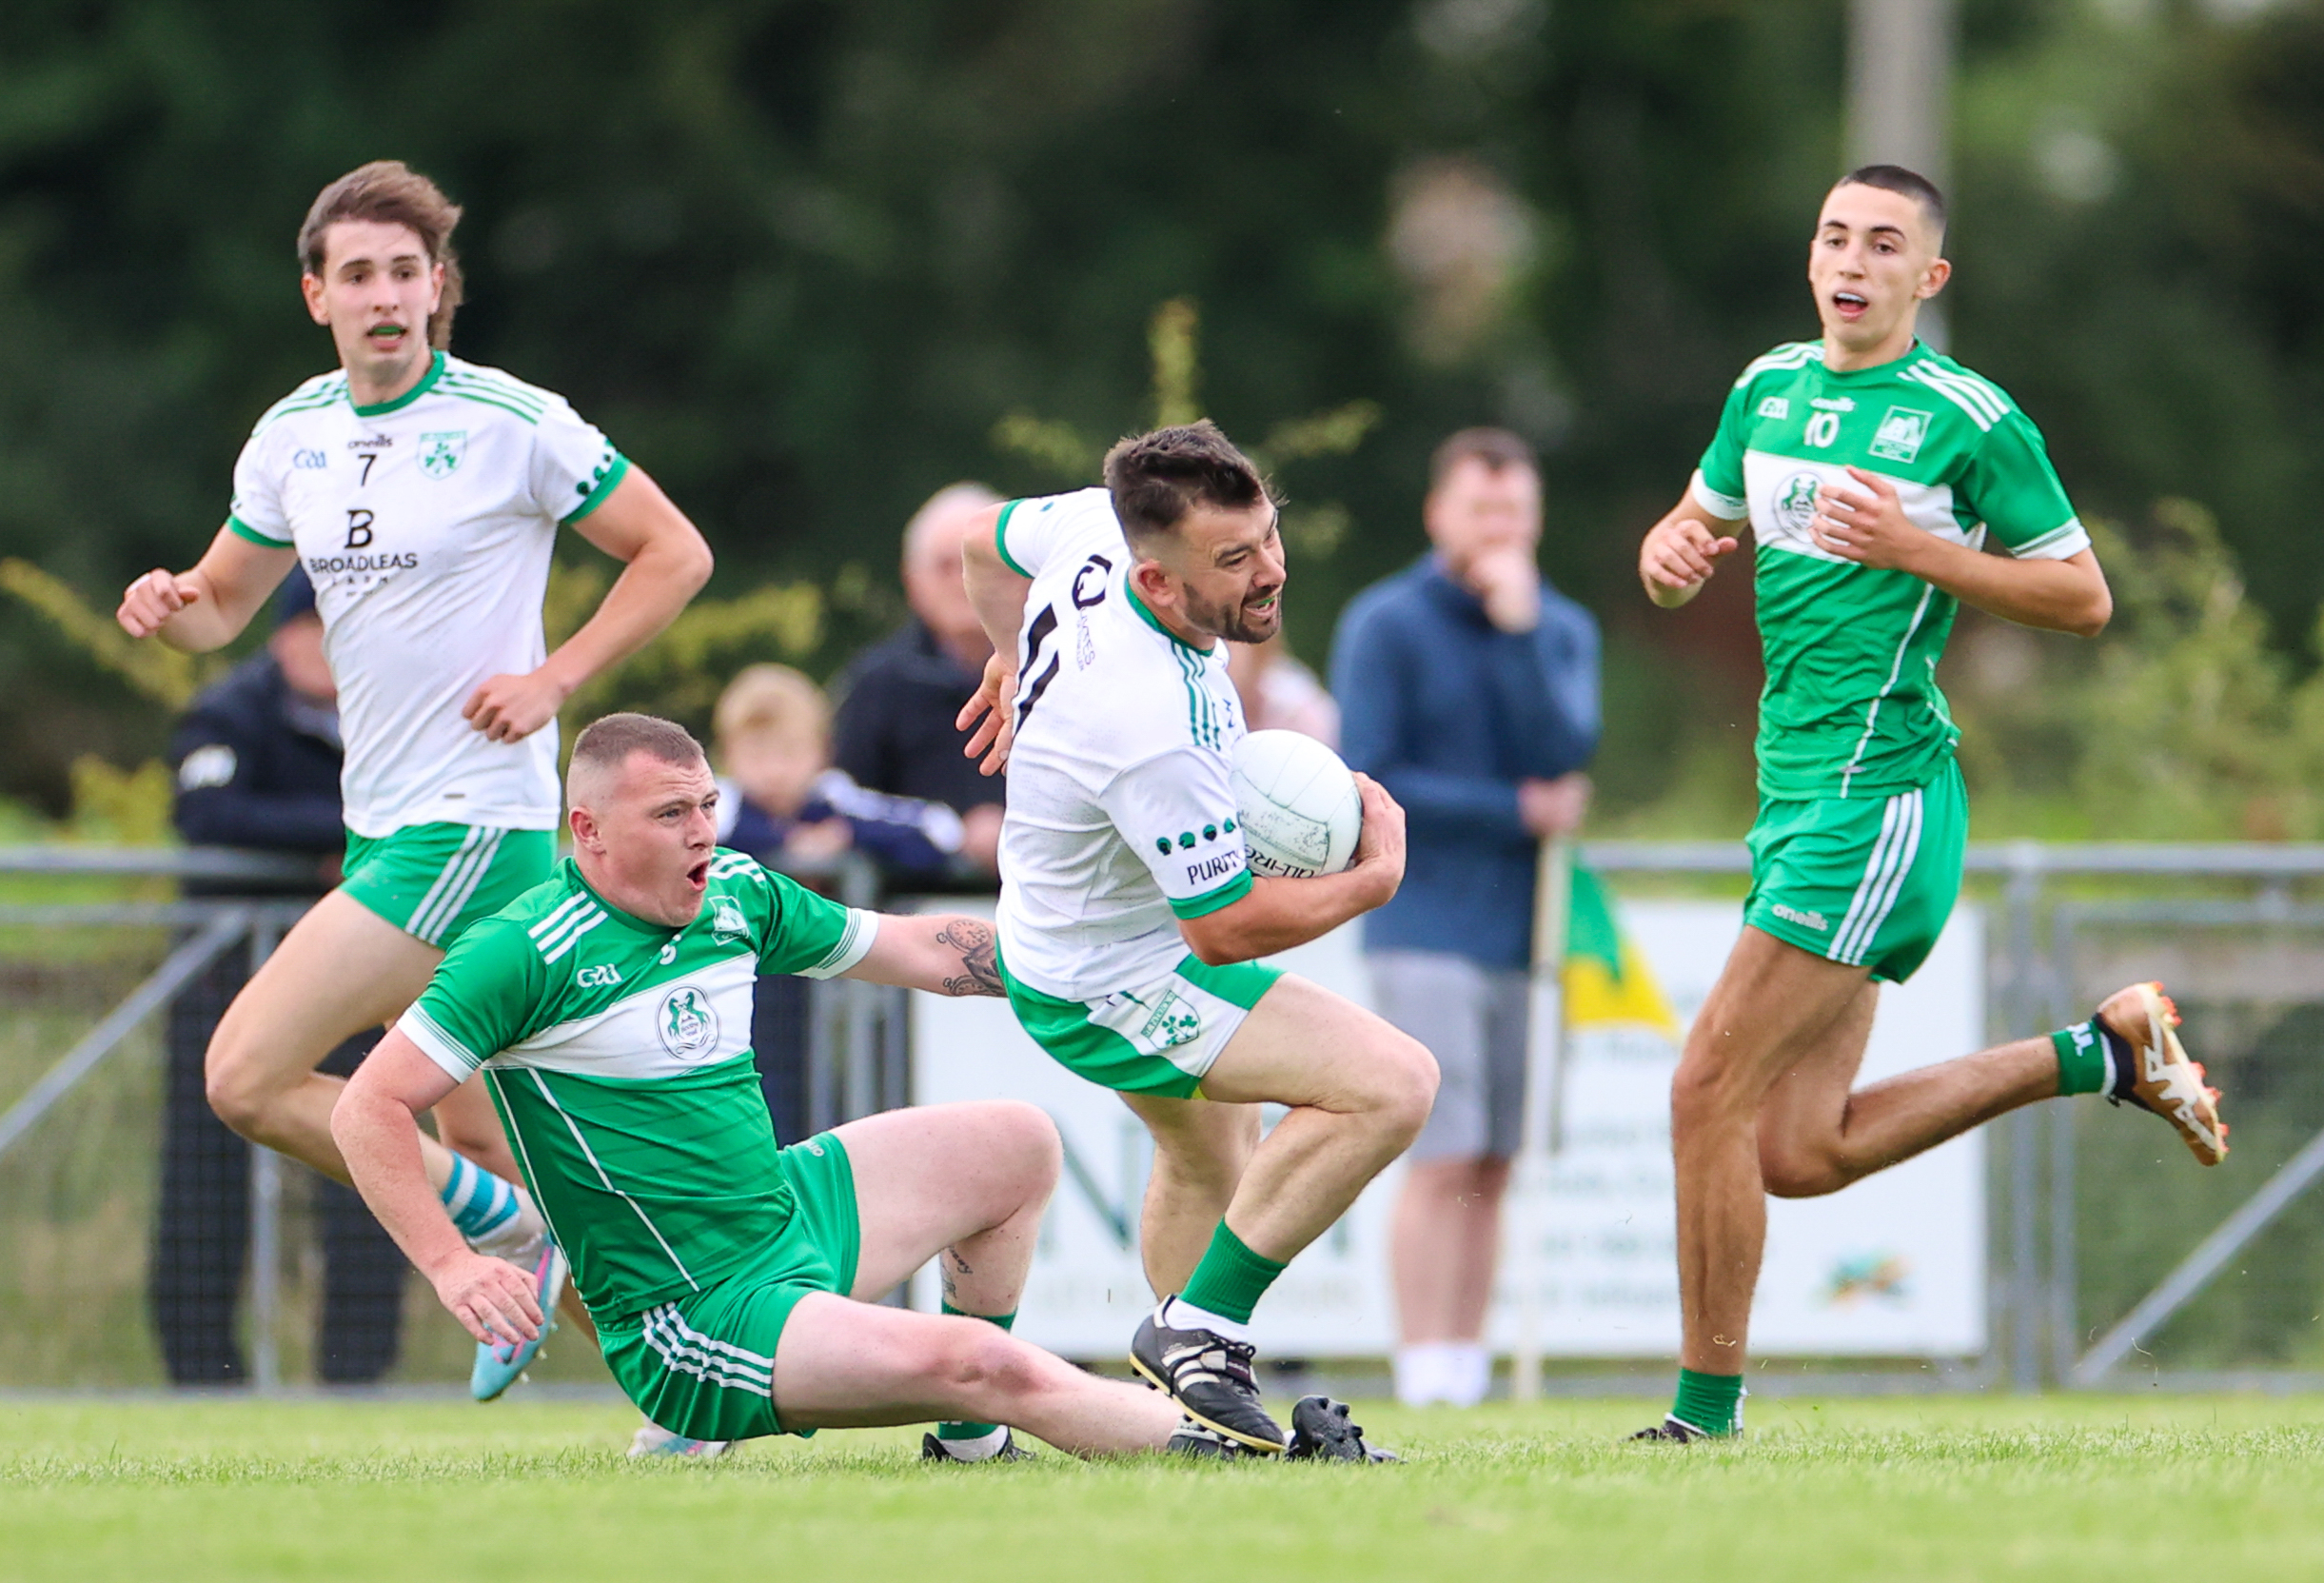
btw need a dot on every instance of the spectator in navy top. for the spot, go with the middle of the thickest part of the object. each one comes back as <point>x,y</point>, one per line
<point>257,759</point>
<point>1468,688</point>
<point>898,699</point>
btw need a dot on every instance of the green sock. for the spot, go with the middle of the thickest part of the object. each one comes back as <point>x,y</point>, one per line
<point>2083,1064</point>
<point>1712,1403</point>
<point>963,1430</point>
<point>1231,1279</point>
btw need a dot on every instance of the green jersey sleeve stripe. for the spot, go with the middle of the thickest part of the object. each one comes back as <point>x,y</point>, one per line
<point>483,400</point>
<point>244,531</point>
<point>613,475</point>
<point>2056,545</point>
<point>1211,901</point>
<point>1726,508</point>
<point>1000,539</point>
<point>456,1058</point>
<point>855,944</point>
<point>508,388</point>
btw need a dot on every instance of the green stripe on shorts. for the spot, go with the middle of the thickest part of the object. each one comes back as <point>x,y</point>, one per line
<point>433,880</point>
<point>1159,1039</point>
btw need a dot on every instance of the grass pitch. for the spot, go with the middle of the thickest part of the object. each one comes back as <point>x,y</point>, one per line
<point>2110,1488</point>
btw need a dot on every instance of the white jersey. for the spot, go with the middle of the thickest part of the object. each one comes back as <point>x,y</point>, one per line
<point>426,525</point>
<point>1121,815</point>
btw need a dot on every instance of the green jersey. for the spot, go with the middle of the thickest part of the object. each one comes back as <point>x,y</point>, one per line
<point>617,1052</point>
<point>1851,707</point>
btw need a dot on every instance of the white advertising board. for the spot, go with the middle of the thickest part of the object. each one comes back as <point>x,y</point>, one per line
<point>1894,1266</point>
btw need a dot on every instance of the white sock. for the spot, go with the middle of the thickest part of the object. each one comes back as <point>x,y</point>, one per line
<point>1469,1373</point>
<point>1423,1373</point>
<point>978,1449</point>
<point>1178,1313</point>
<point>518,1239</point>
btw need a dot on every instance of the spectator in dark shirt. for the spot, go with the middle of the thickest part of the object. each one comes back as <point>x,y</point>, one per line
<point>257,759</point>
<point>1469,690</point>
<point>897,699</point>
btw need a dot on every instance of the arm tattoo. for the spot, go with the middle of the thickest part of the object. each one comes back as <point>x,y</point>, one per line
<point>980,974</point>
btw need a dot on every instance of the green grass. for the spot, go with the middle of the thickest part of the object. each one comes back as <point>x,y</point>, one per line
<point>2114,1488</point>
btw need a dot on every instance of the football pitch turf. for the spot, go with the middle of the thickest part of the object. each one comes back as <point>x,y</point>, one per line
<point>2110,1488</point>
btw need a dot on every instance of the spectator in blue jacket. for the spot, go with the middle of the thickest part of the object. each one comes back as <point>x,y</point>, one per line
<point>1468,687</point>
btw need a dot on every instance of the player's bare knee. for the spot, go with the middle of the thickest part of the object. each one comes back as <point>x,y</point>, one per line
<point>236,1088</point>
<point>978,1362</point>
<point>1029,1140</point>
<point>1705,1098</point>
<point>1407,1086</point>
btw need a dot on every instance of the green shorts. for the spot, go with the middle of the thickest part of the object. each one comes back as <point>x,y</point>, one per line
<point>1159,1039</point>
<point>1870,881</point>
<point>703,1365</point>
<point>433,880</point>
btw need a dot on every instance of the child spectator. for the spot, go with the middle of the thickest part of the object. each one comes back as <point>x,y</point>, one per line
<point>780,797</point>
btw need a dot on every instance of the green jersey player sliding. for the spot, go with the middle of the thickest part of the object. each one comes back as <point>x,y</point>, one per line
<point>609,1009</point>
<point>1877,478</point>
<point>1129,915</point>
<point>424,495</point>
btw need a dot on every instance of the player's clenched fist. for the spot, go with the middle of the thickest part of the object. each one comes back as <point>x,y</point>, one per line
<point>492,1299</point>
<point>1679,556</point>
<point>148,604</point>
<point>1380,839</point>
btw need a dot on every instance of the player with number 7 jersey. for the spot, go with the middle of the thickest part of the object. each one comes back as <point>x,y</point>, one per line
<point>423,494</point>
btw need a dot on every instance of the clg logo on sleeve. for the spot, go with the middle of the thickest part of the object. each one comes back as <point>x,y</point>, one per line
<point>1901,434</point>
<point>687,1022</point>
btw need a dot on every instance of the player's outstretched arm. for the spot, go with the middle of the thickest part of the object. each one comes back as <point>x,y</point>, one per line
<point>998,594</point>
<point>1864,521</point>
<point>1682,552</point>
<point>1275,914</point>
<point>375,1125</point>
<point>209,606</point>
<point>940,953</point>
<point>665,564</point>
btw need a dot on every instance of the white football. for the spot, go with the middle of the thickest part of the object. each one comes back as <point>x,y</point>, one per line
<point>1298,806</point>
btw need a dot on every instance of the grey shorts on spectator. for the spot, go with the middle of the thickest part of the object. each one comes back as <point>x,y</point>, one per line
<point>1474,1021</point>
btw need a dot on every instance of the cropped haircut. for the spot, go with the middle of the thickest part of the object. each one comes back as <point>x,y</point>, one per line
<point>767,698</point>
<point>1895,178</point>
<point>1156,479</point>
<point>391,193</point>
<point>604,745</point>
<point>1496,448</point>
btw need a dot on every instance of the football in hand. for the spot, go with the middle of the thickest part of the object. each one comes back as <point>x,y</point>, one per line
<point>1298,806</point>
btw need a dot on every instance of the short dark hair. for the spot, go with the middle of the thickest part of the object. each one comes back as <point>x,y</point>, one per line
<point>1496,448</point>
<point>391,192</point>
<point>1895,178</point>
<point>1156,479</point>
<point>607,744</point>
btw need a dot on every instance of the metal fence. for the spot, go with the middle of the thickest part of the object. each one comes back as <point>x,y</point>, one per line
<point>2113,1257</point>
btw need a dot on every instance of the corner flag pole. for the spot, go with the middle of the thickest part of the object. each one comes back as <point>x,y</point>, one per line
<point>1541,1134</point>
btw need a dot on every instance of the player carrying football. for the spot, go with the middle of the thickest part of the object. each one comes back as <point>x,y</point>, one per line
<point>1129,916</point>
<point>609,1008</point>
<point>424,495</point>
<point>1873,471</point>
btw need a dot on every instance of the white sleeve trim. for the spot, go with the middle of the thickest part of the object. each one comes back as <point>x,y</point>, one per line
<point>437,1045</point>
<point>855,944</point>
<point>1726,508</point>
<point>2059,544</point>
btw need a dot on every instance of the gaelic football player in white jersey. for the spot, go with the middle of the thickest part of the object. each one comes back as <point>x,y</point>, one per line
<point>424,496</point>
<point>1129,917</point>
<point>1877,478</point>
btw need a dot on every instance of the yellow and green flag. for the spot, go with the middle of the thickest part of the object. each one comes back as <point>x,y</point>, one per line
<point>1607,980</point>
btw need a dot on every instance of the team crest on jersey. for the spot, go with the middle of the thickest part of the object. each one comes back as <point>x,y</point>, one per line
<point>440,454</point>
<point>688,1023</point>
<point>1171,1021</point>
<point>1901,434</point>
<point>1795,502</point>
<point>726,920</point>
